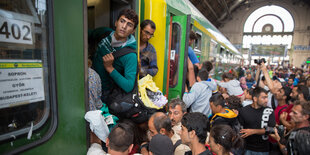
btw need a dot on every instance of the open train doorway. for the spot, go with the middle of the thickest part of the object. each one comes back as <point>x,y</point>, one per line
<point>100,14</point>
<point>103,14</point>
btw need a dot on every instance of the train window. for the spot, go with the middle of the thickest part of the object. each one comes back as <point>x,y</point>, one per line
<point>175,54</point>
<point>25,66</point>
<point>213,50</point>
<point>197,44</point>
<point>222,51</point>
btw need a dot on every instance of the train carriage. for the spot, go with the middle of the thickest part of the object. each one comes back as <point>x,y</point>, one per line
<point>43,64</point>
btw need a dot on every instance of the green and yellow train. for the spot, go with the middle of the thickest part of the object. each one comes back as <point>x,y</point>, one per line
<point>43,64</point>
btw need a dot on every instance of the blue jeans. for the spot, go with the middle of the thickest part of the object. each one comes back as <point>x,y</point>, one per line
<point>249,152</point>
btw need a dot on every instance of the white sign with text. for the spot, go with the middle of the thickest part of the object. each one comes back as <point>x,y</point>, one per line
<point>21,82</point>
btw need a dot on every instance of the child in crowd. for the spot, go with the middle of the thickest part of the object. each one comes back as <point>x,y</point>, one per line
<point>198,97</point>
<point>234,103</point>
<point>247,97</point>
<point>232,85</point>
<point>243,83</point>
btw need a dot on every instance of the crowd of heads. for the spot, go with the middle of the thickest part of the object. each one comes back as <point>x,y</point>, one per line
<point>289,86</point>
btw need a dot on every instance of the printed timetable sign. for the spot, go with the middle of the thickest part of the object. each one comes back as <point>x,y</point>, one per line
<point>21,82</point>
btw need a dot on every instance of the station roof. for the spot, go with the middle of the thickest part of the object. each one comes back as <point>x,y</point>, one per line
<point>217,11</point>
<point>187,7</point>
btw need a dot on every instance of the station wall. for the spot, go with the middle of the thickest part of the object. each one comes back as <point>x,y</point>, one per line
<point>300,51</point>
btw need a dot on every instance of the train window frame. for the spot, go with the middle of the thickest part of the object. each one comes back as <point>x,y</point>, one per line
<point>197,45</point>
<point>179,35</point>
<point>213,51</point>
<point>50,115</point>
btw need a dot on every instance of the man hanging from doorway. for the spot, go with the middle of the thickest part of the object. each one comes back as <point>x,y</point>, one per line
<point>110,69</point>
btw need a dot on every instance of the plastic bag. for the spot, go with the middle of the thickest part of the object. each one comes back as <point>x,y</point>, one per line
<point>97,124</point>
<point>151,96</point>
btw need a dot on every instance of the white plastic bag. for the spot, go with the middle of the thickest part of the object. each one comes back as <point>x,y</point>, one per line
<point>97,124</point>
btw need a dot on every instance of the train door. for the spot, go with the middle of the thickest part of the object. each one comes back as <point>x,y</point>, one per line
<point>178,55</point>
<point>102,14</point>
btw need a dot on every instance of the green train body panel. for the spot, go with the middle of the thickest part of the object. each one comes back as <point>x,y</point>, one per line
<point>70,136</point>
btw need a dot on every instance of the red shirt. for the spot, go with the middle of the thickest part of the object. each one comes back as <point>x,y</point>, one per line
<point>284,108</point>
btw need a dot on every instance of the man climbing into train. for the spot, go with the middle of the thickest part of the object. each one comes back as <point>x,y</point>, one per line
<point>192,60</point>
<point>148,56</point>
<point>121,71</point>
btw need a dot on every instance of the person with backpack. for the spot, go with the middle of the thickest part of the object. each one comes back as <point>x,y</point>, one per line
<point>221,114</point>
<point>296,142</point>
<point>120,72</point>
<point>116,63</point>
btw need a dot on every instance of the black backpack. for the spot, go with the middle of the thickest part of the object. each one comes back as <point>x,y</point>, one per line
<point>127,105</point>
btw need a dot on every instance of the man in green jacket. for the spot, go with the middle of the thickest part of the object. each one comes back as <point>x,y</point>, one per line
<point>121,71</point>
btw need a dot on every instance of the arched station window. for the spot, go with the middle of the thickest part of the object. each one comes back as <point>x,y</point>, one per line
<point>269,26</point>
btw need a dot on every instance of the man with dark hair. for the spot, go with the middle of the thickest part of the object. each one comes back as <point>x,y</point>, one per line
<point>119,141</point>
<point>300,93</point>
<point>257,120</point>
<point>176,110</point>
<point>249,80</point>
<point>148,56</point>
<point>268,84</point>
<point>303,93</point>
<point>192,61</point>
<point>120,72</point>
<point>290,82</point>
<point>159,123</point>
<point>300,116</point>
<point>194,133</point>
<point>191,54</point>
<point>283,96</point>
<point>200,93</point>
<point>294,94</point>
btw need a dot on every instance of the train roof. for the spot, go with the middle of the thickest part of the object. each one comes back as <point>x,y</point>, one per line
<point>187,7</point>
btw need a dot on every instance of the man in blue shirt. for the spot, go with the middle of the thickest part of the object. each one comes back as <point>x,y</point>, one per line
<point>192,60</point>
<point>148,56</point>
<point>191,54</point>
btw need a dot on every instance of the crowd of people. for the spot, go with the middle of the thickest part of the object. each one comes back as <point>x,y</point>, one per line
<point>239,114</point>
